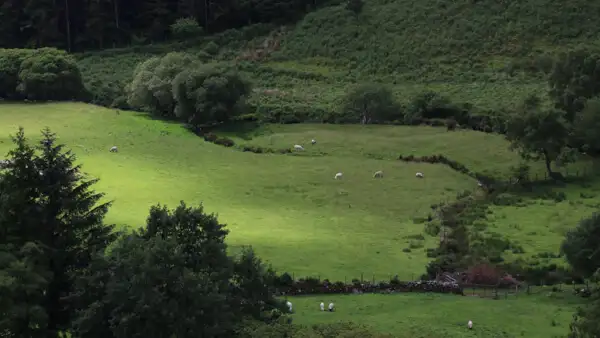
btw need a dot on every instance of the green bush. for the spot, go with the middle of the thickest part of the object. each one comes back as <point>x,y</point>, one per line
<point>185,28</point>
<point>209,94</point>
<point>369,103</point>
<point>40,74</point>
<point>211,48</point>
<point>10,65</point>
<point>152,86</point>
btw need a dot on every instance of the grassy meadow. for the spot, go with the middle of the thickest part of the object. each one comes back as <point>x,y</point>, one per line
<point>541,315</point>
<point>288,207</point>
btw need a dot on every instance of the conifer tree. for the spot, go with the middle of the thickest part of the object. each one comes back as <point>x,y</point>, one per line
<point>45,202</point>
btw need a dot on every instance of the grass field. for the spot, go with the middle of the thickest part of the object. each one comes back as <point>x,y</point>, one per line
<point>288,207</point>
<point>303,221</point>
<point>542,315</point>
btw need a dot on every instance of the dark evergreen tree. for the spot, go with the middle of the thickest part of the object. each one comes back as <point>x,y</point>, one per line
<point>44,200</point>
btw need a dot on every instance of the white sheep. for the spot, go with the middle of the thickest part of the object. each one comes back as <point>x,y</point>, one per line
<point>338,176</point>
<point>322,306</point>
<point>419,175</point>
<point>298,147</point>
<point>330,307</point>
<point>470,324</point>
<point>289,305</point>
<point>479,184</point>
<point>378,174</point>
<point>114,149</point>
<point>313,141</point>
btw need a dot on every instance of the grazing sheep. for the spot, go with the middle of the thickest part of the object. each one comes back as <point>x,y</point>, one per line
<point>313,141</point>
<point>114,149</point>
<point>322,305</point>
<point>470,324</point>
<point>378,174</point>
<point>289,305</point>
<point>298,147</point>
<point>338,176</point>
<point>330,307</point>
<point>479,184</point>
<point>419,175</point>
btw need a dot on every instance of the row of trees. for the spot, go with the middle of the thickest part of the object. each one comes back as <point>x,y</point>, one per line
<point>83,24</point>
<point>63,269</point>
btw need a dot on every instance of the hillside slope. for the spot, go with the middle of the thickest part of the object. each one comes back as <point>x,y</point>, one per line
<point>463,40</point>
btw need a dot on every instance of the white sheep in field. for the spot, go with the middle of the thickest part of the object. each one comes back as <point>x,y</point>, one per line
<point>338,176</point>
<point>313,141</point>
<point>114,149</point>
<point>419,175</point>
<point>289,305</point>
<point>331,307</point>
<point>378,174</point>
<point>470,324</point>
<point>480,184</point>
<point>298,147</point>
<point>322,306</point>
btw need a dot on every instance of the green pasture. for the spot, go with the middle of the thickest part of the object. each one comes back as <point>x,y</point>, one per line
<point>288,207</point>
<point>545,314</point>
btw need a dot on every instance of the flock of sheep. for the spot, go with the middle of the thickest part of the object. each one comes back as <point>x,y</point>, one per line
<point>332,308</point>
<point>338,176</point>
<point>322,306</point>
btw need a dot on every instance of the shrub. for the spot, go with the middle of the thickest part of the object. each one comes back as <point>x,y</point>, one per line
<point>210,137</point>
<point>50,76</point>
<point>209,94</point>
<point>451,124</point>
<point>40,74</point>
<point>211,48</point>
<point>184,28</point>
<point>355,6</point>
<point>368,103</point>
<point>152,86</point>
<point>484,274</point>
<point>224,141</point>
<point>10,65</point>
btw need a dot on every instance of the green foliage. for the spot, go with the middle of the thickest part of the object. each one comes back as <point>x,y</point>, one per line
<point>184,28</point>
<point>52,223</point>
<point>202,291</point>
<point>42,74</point>
<point>587,124</point>
<point>50,76</point>
<point>585,321</point>
<point>581,246</point>
<point>575,77</point>
<point>539,134</point>
<point>152,85</point>
<point>355,6</point>
<point>22,283</point>
<point>209,94</point>
<point>368,103</point>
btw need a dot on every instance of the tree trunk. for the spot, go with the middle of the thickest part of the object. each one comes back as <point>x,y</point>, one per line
<point>548,162</point>
<point>68,22</point>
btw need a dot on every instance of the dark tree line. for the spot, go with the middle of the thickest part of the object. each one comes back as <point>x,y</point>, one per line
<point>76,25</point>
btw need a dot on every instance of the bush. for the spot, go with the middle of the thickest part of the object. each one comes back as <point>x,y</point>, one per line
<point>42,74</point>
<point>10,65</point>
<point>451,124</point>
<point>369,103</point>
<point>211,48</point>
<point>152,86</point>
<point>209,94</point>
<point>185,28</point>
<point>355,6</point>
<point>224,141</point>
<point>50,76</point>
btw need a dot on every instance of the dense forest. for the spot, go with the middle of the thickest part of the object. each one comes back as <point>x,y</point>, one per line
<point>77,25</point>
